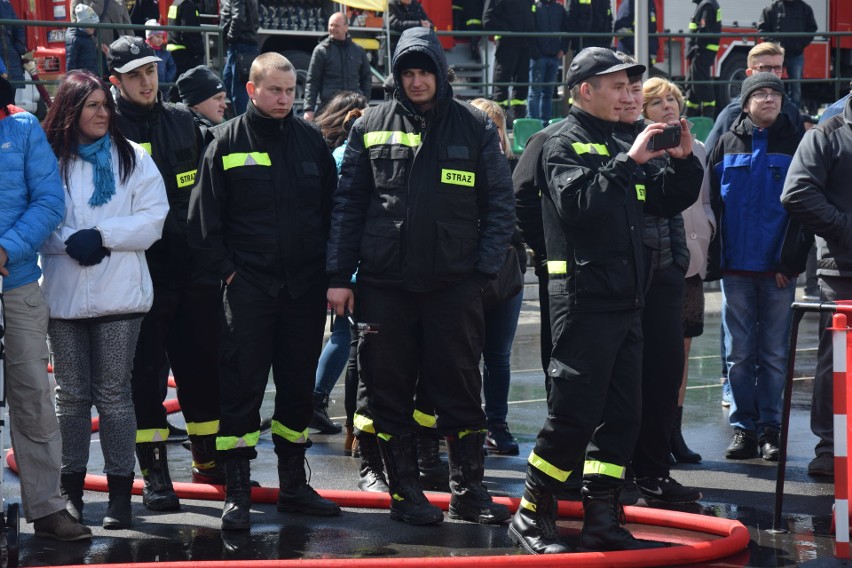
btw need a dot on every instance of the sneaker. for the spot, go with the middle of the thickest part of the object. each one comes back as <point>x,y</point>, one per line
<point>727,396</point>
<point>500,441</point>
<point>631,495</point>
<point>822,466</point>
<point>743,445</point>
<point>770,445</point>
<point>61,526</point>
<point>667,490</point>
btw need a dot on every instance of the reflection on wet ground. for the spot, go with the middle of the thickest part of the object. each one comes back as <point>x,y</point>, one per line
<point>742,490</point>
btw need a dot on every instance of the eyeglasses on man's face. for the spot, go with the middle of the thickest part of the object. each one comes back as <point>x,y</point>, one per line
<point>761,96</point>
<point>777,69</point>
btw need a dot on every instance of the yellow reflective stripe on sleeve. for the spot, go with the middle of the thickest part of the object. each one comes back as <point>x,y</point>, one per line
<point>383,436</point>
<point>693,26</point>
<point>548,468</point>
<point>379,137</point>
<point>557,267</point>
<point>146,146</point>
<point>597,149</point>
<point>172,12</point>
<point>719,15</point>
<point>712,46</point>
<point>640,192</point>
<point>457,7</point>
<point>585,1</point>
<point>245,159</point>
<point>592,467</point>
<point>174,47</point>
<point>152,435</point>
<point>458,177</point>
<point>464,433</point>
<point>186,178</point>
<point>291,436</point>
<point>202,428</point>
<point>532,8</point>
<point>529,506</point>
<point>473,22</point>
<point>248,440</point>
<point>425,420</point>
<point>363,423</point>
<point>653,17</point>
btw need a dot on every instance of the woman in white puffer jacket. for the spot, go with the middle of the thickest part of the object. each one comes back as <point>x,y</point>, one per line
<point>97,284</point>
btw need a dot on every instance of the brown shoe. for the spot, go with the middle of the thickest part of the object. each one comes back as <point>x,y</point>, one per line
<point>61,526</point>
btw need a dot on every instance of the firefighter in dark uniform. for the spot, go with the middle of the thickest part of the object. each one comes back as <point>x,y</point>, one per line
<point>589,16</point>
<point>593,219</point>
<point>260,217</point>
<point>186,48</point>
<point>513,54</point>
<point>701,53</point>
<point>425,211</point>
<point>182,326</point>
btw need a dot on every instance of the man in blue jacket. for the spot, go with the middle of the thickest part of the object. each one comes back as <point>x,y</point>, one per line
<point>31,206</point>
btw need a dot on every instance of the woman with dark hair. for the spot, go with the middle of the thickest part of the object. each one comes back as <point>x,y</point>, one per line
<point>331,120</point>
<point>97,284</point>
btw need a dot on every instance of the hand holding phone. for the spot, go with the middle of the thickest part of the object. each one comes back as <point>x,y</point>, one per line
<point>668,138</point>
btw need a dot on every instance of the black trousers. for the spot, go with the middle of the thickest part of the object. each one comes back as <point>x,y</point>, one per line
<point>662,370</point>
<point>262,332</point>
<point>512,65</point>
<point>595,387</point>
<point>182,330</point>
<point>700,68</point>
<point>435,338</point>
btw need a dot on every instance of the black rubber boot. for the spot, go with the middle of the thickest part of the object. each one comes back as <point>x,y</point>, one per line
<point>158,493</point>
<point>372,472</point>
<point>119,514</point>
<point>434,472</point>
<point>408,503</point>
<point>294,493</point>
<point>71,487</point>
<point>320,420</point>
<point>603,519</point>
<point>680,451</point>
<point>470,500</point>
<point>235,514</point>
<point>533,527</point>
<point>205,468</point>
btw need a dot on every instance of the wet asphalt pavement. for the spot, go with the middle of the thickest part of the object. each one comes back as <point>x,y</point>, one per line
<point>741,490</point>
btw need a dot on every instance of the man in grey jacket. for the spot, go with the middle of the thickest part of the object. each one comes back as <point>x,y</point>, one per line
<point>816,193</point>
<point>337,64</point>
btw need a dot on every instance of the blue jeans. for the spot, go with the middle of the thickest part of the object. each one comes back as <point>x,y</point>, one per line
<point>795,67</point>
<point>235,84</point>
<point>334,357</point>
<point>542,70</point>
<point>756,317</point>
<point>501,321</point>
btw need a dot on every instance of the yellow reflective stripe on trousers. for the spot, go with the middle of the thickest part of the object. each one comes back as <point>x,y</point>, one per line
<point>585,1</point>
<point>186,178</point>
<point>291,436</point>
<point>592,467</point>
<point>693,26</point>
<point>146,146</point>
<point>425,420</point>
<point>596,149</point>
<point>248,440</point>
<point>458,177</point>
<point>152,435</point>
<point>379,137</point>
<point>547,468</point>
<point>463,433</point>
<point>640,192</point>
<point>712,47</point>
<point>202,428</point>
<point>245,159</point>
<point>363,423</point>
<point>518,102</point>
<point>528,505</point>
<point>557,267</point>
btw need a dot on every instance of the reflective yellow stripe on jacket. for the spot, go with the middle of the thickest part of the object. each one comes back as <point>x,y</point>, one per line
<point>583,148</point>
<point>245,159</point>
<point>380,137</point>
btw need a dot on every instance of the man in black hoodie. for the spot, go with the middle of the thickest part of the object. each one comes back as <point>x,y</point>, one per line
<point>424,211</point>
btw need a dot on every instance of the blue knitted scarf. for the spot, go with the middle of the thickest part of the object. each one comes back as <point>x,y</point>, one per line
<point>99,154</point>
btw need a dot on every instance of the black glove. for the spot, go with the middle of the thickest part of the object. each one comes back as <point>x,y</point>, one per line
<point>84,247</point>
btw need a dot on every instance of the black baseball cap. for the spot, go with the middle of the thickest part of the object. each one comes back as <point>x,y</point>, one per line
<point>129,52</point>
<point>594,61</point>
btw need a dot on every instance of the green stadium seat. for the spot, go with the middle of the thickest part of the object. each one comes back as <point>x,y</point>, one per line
<point>523,129</point>
<point>701,127</point>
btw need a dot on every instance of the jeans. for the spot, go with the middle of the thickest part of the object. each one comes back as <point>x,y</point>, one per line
<point>756,316</point>
<point>334,356</point>
<point>795,67</point>
<point>542,70</point>
<point>501,321</point>
<point>235,83</point>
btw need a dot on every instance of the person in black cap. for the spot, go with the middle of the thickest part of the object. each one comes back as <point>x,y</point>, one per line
<point>434,229</point>
<point>204,93</point>
<point>592,208</point>
<point>182,327</point>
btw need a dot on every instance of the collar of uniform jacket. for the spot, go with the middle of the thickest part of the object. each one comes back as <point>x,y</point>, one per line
<point>264,124</point>
<point>136,113</point>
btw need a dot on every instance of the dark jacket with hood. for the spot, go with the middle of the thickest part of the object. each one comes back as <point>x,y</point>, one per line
<point>747,171</point>
<point>425,198</point>
<point>816,192</point>
<point>336,66</point>
<point>788,16</point>
<point>240,20</point>
<point>261,208</point>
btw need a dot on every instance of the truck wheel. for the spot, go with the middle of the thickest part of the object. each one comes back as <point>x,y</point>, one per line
<point>300,60</point>
<point>733,70</point>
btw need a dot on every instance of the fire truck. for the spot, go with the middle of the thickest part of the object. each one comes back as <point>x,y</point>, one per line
<point>826,57</point>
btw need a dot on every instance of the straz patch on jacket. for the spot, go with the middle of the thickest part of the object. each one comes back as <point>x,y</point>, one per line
<point>186,178</point>
<point>458,177</point>
<point>640,192</point>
